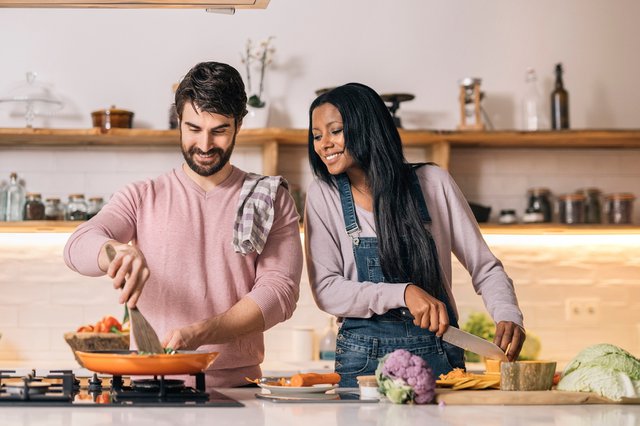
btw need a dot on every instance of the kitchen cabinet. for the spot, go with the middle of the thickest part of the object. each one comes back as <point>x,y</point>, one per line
<point>437,146</point>
<point>227,5</point>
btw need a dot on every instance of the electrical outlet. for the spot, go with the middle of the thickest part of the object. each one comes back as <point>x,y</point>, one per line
<point>583,310</point>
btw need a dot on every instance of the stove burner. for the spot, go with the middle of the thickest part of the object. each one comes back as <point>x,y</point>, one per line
<point>153,385</point>
<point>56,386</point>
<point>95,384</point>
<point>159,389</point>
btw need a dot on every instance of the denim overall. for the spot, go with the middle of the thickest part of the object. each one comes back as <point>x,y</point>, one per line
<point>362,341</point>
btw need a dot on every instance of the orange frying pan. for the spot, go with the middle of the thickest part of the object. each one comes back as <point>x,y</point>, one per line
<point>131,363</point>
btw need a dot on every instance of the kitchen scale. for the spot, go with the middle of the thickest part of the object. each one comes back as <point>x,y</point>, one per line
<point>393,101</point>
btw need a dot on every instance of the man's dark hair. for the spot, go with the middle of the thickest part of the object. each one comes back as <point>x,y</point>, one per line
<point>372,139</point>
<point>213,87</point>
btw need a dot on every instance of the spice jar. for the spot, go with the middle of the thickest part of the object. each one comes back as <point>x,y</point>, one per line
<point>76,207</point>
<point>93,206</point>
<point>507,217</point>
<point>53,209</point>
<point>592,206</point>
<point>619,208</point>
<point>539,201</point>
<point>33,207</point>
<point>571,208</point>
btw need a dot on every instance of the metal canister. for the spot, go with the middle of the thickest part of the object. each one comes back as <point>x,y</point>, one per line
<point>571,208</point>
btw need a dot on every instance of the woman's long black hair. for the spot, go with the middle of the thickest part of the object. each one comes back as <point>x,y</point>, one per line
<point>371,137</point>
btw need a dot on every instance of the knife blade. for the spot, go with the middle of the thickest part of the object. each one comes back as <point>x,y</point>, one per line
<point>146,338</point>
<point>474,344</point>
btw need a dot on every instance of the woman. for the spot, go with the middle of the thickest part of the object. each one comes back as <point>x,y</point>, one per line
<point>379,234</point>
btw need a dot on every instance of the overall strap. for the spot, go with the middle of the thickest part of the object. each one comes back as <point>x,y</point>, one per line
<point>416,191</point>
<point>348,208</point>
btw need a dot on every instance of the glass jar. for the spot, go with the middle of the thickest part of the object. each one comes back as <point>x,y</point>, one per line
<point>532,216</point>
<point>53,209</point>
<point>540,201</point>
<point>571,208</point>
<point>619,208</point>
<point>33,207</point>
<point>93,206</point>
<point>76,207</point>
<point>592,205</point>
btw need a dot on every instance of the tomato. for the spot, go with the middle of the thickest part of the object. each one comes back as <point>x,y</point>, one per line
<point>110,322</point>
<point>85,328</point>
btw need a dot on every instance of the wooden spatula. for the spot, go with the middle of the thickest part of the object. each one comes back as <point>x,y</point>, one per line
<point>146,337</point>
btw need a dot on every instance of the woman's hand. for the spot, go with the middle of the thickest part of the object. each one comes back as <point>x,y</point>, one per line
<point>128,269</point>
<point>428,312</point>
<point>510,337</point>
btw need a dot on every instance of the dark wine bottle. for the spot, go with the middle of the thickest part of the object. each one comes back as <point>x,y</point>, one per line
<point>559,103</point>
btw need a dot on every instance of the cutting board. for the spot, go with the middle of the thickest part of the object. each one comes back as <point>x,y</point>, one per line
<point>499,397</point>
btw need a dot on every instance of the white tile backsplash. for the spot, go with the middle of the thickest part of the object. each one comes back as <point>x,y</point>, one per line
<point>40,298</point>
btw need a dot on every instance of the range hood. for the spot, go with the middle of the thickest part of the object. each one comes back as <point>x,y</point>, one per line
<point>224,6</point>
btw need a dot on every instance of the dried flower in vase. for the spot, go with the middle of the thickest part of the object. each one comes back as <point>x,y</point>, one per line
<point>259,57</point>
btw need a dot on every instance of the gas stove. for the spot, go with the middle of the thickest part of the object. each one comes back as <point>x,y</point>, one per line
<point>62,387</point>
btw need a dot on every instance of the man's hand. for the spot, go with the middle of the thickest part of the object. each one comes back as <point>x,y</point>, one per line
<point>185,338</point>
<point>510,337</point>
<point>128,270</point>
<point>428,312</point>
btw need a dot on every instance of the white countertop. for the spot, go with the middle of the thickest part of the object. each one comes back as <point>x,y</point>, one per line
<point>265,413</point>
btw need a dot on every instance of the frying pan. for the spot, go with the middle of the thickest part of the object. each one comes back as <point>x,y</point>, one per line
<point>131,363</point>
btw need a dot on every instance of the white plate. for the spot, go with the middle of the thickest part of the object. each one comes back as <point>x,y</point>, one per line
<point>282,390</point>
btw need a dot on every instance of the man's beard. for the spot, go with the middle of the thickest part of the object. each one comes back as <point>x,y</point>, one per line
<point>223,158</point>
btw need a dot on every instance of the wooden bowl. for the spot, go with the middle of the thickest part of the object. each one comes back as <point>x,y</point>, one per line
<point>527,375</point>
<point>88,341</point>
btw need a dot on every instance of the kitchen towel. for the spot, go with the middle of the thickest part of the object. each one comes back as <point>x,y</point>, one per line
<point>255,212</point>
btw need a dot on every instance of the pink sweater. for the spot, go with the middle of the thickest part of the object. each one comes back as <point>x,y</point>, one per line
<point>185,234</point>
<point>332,267</point>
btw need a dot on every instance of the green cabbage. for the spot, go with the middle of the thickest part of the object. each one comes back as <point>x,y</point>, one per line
<point>604,369</point>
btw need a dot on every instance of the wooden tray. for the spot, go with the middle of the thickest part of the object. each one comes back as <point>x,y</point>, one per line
<point>499,397</point>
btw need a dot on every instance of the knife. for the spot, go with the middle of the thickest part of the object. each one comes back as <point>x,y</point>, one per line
<point>146,338</point>
<point>474,344</point>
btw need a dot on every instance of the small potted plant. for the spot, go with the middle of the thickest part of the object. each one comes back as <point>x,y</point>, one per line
<point>257,58</point>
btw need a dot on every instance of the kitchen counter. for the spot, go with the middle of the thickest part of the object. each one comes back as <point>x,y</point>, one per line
<point>258,412</point>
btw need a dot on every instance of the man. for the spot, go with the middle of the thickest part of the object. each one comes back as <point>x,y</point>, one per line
<point>173,237</point>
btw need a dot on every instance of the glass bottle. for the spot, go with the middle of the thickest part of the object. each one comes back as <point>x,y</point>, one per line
<point>592,205</point>
<point>13,199</point>
<point>93,206</point>
<point>53,209</point>
<point>531,103</point>
<point>76,207</point>
<point>33,207</point>
<point>3,203</point>
<point>327,346</point>
<point>559,103</point>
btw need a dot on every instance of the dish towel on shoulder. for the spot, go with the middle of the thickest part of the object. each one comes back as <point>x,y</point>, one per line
<point>255,212</point>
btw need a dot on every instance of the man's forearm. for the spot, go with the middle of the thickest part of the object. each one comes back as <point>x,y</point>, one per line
<point>245,317</point>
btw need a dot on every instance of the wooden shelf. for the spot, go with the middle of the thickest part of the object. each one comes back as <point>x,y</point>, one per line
<point>52,226</point>
<point>39,226</point>
<point>438,142</point>
<point>558,229</point>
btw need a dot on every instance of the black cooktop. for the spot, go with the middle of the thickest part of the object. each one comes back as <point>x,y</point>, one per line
<point>63,388</point>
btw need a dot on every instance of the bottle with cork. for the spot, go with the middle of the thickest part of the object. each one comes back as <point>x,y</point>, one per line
<point>559,103</point>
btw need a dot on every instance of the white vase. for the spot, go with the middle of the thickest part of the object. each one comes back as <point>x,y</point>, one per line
<point>256,118</point>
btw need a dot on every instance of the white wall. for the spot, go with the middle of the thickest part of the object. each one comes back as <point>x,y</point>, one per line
<point>131,58</point>
<point>94,58</point>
